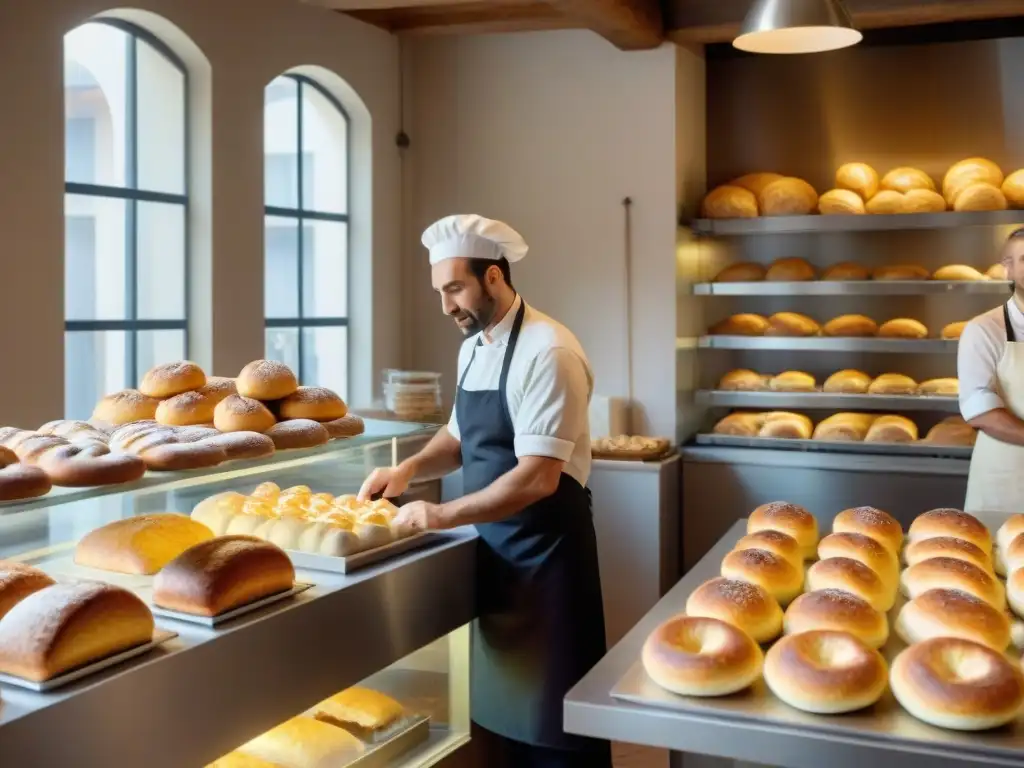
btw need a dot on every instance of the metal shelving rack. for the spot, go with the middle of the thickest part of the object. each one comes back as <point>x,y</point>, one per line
<point>767,225</point>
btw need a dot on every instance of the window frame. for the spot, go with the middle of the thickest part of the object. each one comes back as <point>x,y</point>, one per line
<point>300,214</point>
<point>132,196</point>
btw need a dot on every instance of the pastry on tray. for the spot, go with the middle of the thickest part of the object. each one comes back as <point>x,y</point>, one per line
<point>632,447</point>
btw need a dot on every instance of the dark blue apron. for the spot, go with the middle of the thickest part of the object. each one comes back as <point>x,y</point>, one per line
<point>541,619</point>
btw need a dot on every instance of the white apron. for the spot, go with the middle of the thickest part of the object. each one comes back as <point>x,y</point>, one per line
<point>996,479</point>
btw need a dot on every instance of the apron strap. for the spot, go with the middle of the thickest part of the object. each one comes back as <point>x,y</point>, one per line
<point>1010,335</point>
<point>503,378</point>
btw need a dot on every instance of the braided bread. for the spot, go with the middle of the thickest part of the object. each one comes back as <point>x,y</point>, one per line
<point>161,450</point>
<point>86,462</point>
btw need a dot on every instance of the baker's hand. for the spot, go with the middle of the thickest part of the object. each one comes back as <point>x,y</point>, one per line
<point>393,481</point>
<point>418,516</point>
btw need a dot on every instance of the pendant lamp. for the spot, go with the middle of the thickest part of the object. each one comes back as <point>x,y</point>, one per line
<point>796,26</point>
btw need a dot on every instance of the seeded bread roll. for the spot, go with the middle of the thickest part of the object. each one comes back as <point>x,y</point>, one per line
<point>848,575</point>
<point>951,522</point>
<point>837,611</point>
<point>953,613</point>
<point>790,519</point>
<point>873,523</point>
<point>948,573</point>
<point>780,578</point>
<point>298,433</point>
<point>776,542</point>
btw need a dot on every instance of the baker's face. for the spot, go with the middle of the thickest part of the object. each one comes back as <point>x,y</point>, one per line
<point>464,298</point>
<point>1013,260</point>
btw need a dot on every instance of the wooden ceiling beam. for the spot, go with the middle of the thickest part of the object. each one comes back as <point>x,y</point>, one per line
<point>627,24</point>
<point>466,18</point>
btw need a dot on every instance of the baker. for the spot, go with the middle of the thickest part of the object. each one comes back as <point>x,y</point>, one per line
<point>990,364</point>
<point>520,432</point>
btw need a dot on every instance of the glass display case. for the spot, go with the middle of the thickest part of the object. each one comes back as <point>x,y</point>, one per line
<point>397,626</point>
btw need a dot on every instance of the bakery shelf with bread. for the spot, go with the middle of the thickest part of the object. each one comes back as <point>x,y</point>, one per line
<point>929,346</point>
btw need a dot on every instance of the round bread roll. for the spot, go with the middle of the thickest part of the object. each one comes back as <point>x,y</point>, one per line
<point>825,672</point>
<point>923,201</point>
<point>1013,189</point>
<point>739,603</point>
<point>947,546</point>
<point>847,382</point>
<point>700,656</point>
<point>903,328</point>
<point>756,182</point>
<point>780,578</point>
<point>745,272</point>
<point>837,611</point>
<point>846,270</point>
<point>791,324</point>
<point>906,179</point>
<point>790,270</point>
<point>316,403</point>
<point>186,409</point>
<point>848,575</point>
<point>953,683</point>
<point>347,426</point>
<point>236,413</point>
<point>787,426</point>
<point>950,522</point>
<point>1015,591</point>
<point>900,272</point>
<point>951,434</point>
<point>172,379</point>
<point>742,380</point>
<point>885,202</point>
<point>850,326</point>
<point>740,325</point>
<point>873,523</point>
<point>892,428</point>
<point>297,433</point>
<point>952,613</point>
<point>997,272</point>
<point>790,519</point>
<point>958,272</point>
<point>858,177</point>
<point>266,380</point>
<point>1011,528</point>
<point>729,202</point>
<point>788,196</point>
<point>893,384</point>
<point>980,197</point>
<point>124,407</point>
<point>740,425</point>
<point>953,330</point>
<point>1010,558</point>
<point>970,172</point>
<point>940,387</point>
<point>949,573</point>
<point>792,381</point>
<point>841,202</point>
<point>776,542</point>
<point>217,388</point>
<point>865,550</point>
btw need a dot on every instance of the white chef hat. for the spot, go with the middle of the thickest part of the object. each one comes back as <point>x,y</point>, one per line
<point>470,236</point>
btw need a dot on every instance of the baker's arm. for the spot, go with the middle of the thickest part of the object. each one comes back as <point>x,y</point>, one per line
<point>441,455</point>
<point>981,405</point>
<point>533,478</point>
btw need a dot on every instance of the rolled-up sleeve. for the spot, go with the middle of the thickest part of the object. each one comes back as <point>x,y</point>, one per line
<point>553,413</point>
<point>453,426</point>
<point>978,356</point>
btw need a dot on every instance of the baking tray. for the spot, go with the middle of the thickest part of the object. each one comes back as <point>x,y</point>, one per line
<point>658,455</point>
<point>826,400</point>
<point>330,564</point>
<point>830,446</point>
<point>160,636</point>
<point>220,618</point>
<point>830,344</point>
<point>853,288</point>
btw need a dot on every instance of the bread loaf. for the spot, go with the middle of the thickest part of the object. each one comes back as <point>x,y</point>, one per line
<point>905,179</point>
<point>850,326</point>
<point>140,545</point>
<point>980,197</point>
<point>848,382</point>
<point>789,426</point>
<point>742,380</point>
<point>729,202</point>
<point>741,325</point>
<point>18,581</point>
<point>957,272</point>
<point>791,324</point>
<point>893,384</point>
<point>845,427</point>
<point>359,708</point>
<point>221,574</point>
<point>788,196</point>
<point>789,270</point>
<point>923,201</point>
<point>65,626</point>
<point>892,429</point>
<point>744,272</point>
<point>953,330</point>
<point>901,272</point>
<point>940,387</point>
<point>858,177</point>
<point>903,328</point>
<point>1013,189</point>
<point>841,202</point>
<point>952,433</point>
<point>886,202</point>
<point>966,173</point>
<point>756,182</point>
<point>740,425</point>
<point>793,381</point>
<point>846,270</point>
<point>305,741</point>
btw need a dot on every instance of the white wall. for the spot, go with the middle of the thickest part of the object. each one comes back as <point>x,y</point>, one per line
<point>245,46</point>
<point>549,131</point>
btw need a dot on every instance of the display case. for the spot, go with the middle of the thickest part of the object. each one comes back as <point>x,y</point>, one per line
<point>397,626</point>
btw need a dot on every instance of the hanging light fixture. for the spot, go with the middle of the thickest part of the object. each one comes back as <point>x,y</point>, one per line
<point>796,26</point>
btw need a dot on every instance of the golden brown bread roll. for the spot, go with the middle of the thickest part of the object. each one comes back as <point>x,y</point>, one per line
<point>952,434</point>
<point>1013,189</point>
<point>744,605</point>
<point>172,379</point>
<point>905,179</point>
<point>953,330</point>
<point>217,388</point>
<point>186,409</point>
<point>941,387</point>
<point>790,519</point>
<point>298,433</point>
<point>776,542</point>
<point>885,202</point>
<point>892,428</point>
<point>874,523</point>
<point>305,741</point>
<point>903,328</point>
<point>266,380</point>
<point>893,384</point>
<point>847,382</point>
<point>777,576</point>
<point>236,413</point>
<point>967,173</point>
<point>950,613</point>
<point>948,546</point>
<point>957,272</point>
<point>744,272</point>
<point>854,577</point>
<point>787,426</point>
<point>949,573</point>
<point>745,324</point>
<point>841,202</point>
<point>839,611</point>
<point>791,324</point>
<point>997,272</point>
<point>788,196</point>
<point>316,403</point>
<point>844,427</point>
<point>743,380</point>
<point>21,481</point>
<point>846,270</point>
<point>789,270</point>
<point>850,326</point>
<point>740,425</point>
<point>792,381</point>
<point>140,545</point>
<point>756,182</point>
<point>867,551</point>
<point>858,177</point>
<point>124,407</point>
<point>18,581</point>
<point>980,197</point>
<point>950,522</point>
<point>923,201</point>
<point>901,272</point>
<point>729,202</point>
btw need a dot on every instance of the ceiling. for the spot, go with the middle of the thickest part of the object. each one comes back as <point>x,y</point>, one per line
<point>638,24</point>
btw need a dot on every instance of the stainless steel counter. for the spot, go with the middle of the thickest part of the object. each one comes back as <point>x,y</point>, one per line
<point>207,691</point>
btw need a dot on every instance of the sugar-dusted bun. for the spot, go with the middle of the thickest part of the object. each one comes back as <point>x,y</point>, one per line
<point>872,522</point>
<point>236,413</point>
<point>745,324</point>
<point>849,575</point>
<point>839,611</point>
<point>923,201</point>
<point>864,549</point>
<point>186,409</point>
<point>946,387</point>
<point>241,445</point>
<point>851,326</point>
<point>903,328</point>
<point>266,380</point>
<point>124,407</point>
<point>893,384</point>
<point>699,656</point>
<point>347,426</point>
<point>317,403</point>
<point>886,202</point>
<point>825,672</point>
<point>790,269</point>
<point>788,196</point>
<point>948,573</point>
<point>958,272</point>
<point>791,324</point>
<point>900,272</point>
<point>740,603</point>
<point>744,272</point>
<point>847,382</point>
<point>892,428</point>
<point>1015,591</point>
<point>969,172</point>
<point>846,270</point>
<point>757,181</point>
<point>787,426</point>
<point>858,177</point>
<point>791,519</point>
<point>841,202</point>
<point>776,542</point>
<point>729,202</point>
<point>780,578</point>
<point>952,613</point>
<point>954,683</point>
<point>217,388</point>
<point>18,581</point>
<point>1011,528</point>
<point>947,546</point>
<point>21,481</point>
<point>298,433</point>
<point>950,522</point>
<point>905,179</point>
<point>953,331</point>
<point>743,380</point>
<point>172,379</point>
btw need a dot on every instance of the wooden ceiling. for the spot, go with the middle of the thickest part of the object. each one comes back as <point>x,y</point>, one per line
<point>639,24</point>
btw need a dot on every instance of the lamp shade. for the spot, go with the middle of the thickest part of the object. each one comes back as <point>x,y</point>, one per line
<point>796,26</point>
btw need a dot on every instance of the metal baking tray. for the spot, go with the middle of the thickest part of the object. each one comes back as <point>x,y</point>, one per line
<point>830,344</point>
<point>823,400</point>
<point>234,613</point>
<point>404,736</point>
<point>829,446</point>
<point>316,562</point>
<point>853,288</point>
<point>766,225</point>
<point>160,636</point>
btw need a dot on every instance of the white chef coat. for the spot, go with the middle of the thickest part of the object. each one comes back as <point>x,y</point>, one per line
<point>981,346</point>
<point>548,389</point>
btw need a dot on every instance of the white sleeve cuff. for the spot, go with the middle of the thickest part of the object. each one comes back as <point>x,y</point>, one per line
<point>978,403</point>
<point>542,445</point>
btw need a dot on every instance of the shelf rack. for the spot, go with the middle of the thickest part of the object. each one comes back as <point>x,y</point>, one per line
<point>828,344</point>
<point>765,225</point>
<point>825,401</point>
<point>855,288</point>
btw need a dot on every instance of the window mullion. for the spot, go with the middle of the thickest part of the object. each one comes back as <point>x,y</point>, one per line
<point>301,240</point>
<point>131,209</point>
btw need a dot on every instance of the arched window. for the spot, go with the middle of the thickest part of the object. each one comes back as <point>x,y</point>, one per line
<point>306,181</point>
<point>125,210</point>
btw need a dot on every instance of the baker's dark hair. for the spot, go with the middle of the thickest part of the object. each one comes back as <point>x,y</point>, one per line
<point>479,268</point>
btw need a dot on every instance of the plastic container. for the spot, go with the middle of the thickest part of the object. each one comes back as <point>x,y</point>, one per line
<point>412,395</point>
